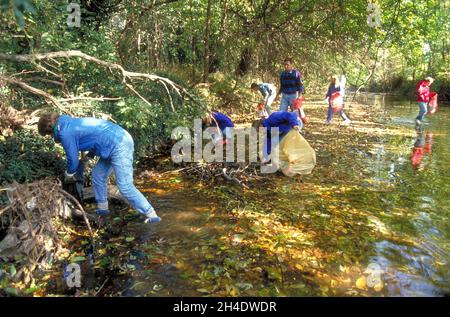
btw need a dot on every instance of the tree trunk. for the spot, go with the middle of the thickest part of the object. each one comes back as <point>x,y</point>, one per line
<point>207,35</point>
<point>245,61</point>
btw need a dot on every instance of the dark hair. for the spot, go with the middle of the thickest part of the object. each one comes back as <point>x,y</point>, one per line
<point>47,123</point>
<point>288,60</point>
<point>206,121</point>
<point>254,85</point>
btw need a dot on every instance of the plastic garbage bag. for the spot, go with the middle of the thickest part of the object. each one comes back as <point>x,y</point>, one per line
<point>261,111</point>
<point>296,156</point>
<point>297,104</point>
<point>433,104</point>
<point>337,102</point>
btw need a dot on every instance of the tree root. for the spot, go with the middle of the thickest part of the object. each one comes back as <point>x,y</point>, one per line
<point>34,221</point>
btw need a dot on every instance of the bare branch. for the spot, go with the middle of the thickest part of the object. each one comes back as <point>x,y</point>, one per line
<point>67,54</point>
<point>89,98</point>
<point>54,82</point>
<point>36,91</point>
<point>133,90</point>
<point>170,97</point>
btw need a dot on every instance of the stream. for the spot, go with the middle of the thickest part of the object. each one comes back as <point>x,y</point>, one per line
<point>374,224</point>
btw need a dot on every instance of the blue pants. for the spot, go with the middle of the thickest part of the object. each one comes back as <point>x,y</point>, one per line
<point>422,111</point>
<point>331,113</point>
<point>269,142</point>
<point>286,101</point>
<point>121,161</point>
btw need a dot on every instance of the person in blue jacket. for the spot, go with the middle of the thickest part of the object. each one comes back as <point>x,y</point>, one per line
<point>223,123</point>
<point>284,121</point>
<point>115,147</point>
<point>269,92</point>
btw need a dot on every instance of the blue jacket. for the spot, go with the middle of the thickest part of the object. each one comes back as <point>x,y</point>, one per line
<point>97,136</point>
<point>332,89</point>
<point>291,82</point>
<point>223,121</point>
<point>267,90</point>
<point>284,121</point>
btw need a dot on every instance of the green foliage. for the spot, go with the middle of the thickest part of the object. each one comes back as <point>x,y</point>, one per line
<point>26,156</point>
<point>331,38</point>
<point>19,8</point>
<point>151,125</point>
<point>231,93</point>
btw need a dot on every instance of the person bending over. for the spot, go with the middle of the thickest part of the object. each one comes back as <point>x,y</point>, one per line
<point>115,147</point>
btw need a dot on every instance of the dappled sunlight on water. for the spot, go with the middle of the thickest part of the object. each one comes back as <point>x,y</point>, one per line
<point>371,220</point>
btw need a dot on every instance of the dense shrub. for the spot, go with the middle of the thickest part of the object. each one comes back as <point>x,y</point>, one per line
<point>26,156</point>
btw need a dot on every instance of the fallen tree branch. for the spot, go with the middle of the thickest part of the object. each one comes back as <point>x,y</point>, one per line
<point>33,222</point>
<point>239,173</point>
<point>138,94</point>
<point>170,97</point>
<point>234,179</point>
<point>89,98</point>
<point>35,91</point>
<point>54,82</point>
<point>75,53</point>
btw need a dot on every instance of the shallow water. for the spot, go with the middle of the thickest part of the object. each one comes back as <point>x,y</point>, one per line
<point>422,194</point>
<point>388,220</point>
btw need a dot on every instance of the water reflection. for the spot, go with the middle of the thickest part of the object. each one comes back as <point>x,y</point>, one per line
<point>421,267</point>
<point>422,146</point>
<point>408,271</point>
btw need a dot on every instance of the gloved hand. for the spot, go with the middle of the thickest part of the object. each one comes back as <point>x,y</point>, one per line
<point>69,178</point>
<point>152,217</point>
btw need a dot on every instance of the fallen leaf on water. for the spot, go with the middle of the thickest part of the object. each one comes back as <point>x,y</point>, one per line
<point>361,283</point>
<point>78,259</point>
<point>378,287</point>
<point>274,273</point>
